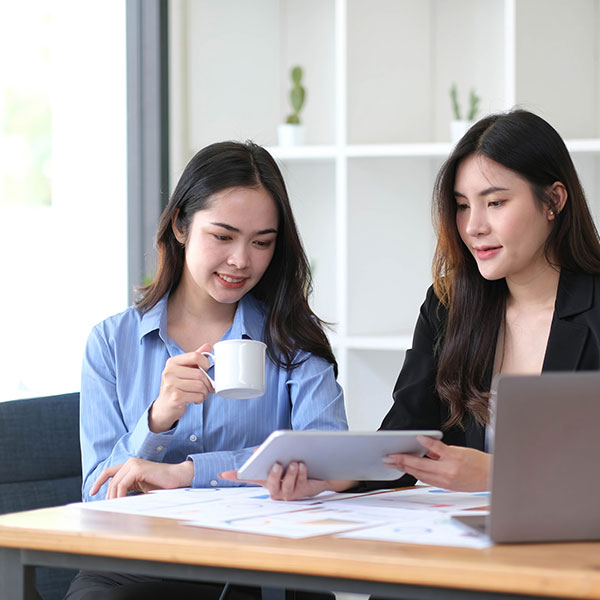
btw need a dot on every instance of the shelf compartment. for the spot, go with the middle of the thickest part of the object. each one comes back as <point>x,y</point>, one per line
<point>390,242</point>
<point>311,187</point>
<point>371,377</point>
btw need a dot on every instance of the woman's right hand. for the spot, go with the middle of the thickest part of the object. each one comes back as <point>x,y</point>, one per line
<point>293,484</point>
<point>182,383</point>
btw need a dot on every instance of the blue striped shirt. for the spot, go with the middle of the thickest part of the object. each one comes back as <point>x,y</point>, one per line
<point>122,367</point>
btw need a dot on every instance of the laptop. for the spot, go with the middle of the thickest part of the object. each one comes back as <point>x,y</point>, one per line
<point>545,481</point>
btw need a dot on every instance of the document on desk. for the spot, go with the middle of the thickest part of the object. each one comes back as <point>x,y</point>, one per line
<point>418,515</point>
<point>354,512</point>
<point>422,497</point>
<point>434,528</point>
<point>328,518</point>
<point>212,504</point>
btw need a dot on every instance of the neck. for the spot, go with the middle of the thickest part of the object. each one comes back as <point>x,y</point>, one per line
<point>186,305</point>
<point>535,291</point>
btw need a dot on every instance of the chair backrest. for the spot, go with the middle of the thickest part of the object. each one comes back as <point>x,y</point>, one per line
<point>40,439</point>
<point>40,465</point>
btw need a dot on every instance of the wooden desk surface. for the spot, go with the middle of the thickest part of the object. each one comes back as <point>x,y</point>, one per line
<point>567,569</point>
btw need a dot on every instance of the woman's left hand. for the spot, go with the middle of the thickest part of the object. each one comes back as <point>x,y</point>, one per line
<point>449,467</point>
<point>142,475</point>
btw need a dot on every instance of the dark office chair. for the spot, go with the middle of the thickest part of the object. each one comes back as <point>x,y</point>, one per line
<point>41,466</point>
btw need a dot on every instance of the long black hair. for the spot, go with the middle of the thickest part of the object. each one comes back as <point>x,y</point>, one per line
<point>291,326</point>
<point>528,145</point>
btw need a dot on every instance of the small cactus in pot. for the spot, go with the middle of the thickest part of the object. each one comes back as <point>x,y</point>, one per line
<point>291,133</point>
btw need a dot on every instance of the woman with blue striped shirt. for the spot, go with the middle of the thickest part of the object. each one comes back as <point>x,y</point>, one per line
<point>230,266</point>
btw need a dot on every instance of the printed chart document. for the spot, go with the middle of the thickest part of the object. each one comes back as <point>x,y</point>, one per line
<point>417,516</point>
<point>308,522</point>
<point>212,504</point>
<point>423,497</point>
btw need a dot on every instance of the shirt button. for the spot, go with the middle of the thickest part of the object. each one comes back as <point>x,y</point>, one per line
<point>160,448</point>
<point>193,438</point>
<point>214,482</point>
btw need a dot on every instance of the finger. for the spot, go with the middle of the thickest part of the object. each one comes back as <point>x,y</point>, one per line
<point>110,488</point>
<point>302,479</point>
<point>201,360</point>
<point>187,359</point>
<point>124,485</point>
<point>273,482</point>
<point>201,387</point>
<point>184,391</point>
<point>123,481</point>
<point>233,476</point>
<point>432,454</point>
<point>113,485</point>
<point>410,463</point>
<point>289,481</point>
<point>176,373</point>
<point>188,378</point>
<point>433,445</point>
<point>433,479</point>
<point>103,477</point>
<point>228,475</point>
<point>425,467</point>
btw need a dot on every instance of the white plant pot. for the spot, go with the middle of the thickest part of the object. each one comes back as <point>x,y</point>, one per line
<point>458,129</point>
<point>290,134</point>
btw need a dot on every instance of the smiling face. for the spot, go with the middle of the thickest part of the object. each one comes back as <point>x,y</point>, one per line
<point>229,245</point>
<point>499,220</point>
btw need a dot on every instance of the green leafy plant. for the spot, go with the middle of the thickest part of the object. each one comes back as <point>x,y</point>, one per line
<point>297,95</point>
<point>474,100</point>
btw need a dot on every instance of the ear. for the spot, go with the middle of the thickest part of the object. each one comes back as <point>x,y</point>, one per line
<point>559,195</point>
<point>179,235</point>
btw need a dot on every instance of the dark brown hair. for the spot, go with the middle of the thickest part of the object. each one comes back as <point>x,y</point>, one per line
<point>291,326</point>
<point>525,143</point>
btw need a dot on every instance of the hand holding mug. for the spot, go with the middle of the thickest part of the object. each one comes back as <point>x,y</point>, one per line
<point>184,381</point>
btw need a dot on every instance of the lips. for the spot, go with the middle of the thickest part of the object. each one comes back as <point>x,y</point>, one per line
<point>485,252</point>
<point>231,281</point>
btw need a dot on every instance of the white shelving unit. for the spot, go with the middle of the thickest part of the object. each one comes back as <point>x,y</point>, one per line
<point>377,74</point>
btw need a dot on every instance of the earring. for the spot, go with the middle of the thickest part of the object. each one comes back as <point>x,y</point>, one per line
<point>551,213</point>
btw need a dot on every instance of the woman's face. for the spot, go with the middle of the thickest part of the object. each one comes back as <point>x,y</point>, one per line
<point>499,220</point>
<point>230,244</point>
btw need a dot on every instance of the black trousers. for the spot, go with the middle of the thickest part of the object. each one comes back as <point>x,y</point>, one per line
<point>96,585</point>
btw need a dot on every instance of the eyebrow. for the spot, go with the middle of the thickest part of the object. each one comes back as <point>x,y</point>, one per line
<point>236,230</point>
<point>485,192</point>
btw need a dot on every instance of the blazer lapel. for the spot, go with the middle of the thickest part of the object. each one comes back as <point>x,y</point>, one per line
<point>567,339</point>
<point>565,346</point>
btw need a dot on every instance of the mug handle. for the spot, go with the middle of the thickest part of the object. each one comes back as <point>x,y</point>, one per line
<point>212,381</point>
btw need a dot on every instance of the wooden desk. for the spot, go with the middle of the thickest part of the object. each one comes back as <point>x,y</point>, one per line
<point>78,538</point>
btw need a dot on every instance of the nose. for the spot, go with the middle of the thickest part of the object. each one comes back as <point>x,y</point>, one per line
<point>238,257</point>
<point>477,223</point>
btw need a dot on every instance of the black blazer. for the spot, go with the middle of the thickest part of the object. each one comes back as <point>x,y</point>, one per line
<point>573,345</point>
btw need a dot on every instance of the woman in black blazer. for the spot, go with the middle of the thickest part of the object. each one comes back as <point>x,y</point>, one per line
<point>516,290</point>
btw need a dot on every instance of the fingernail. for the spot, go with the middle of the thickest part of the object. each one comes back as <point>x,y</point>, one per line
<point>276,468</point>
<point>293,467</point>
<point>388,461</point>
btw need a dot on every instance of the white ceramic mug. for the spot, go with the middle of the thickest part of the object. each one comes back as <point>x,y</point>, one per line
<point>239,368</point>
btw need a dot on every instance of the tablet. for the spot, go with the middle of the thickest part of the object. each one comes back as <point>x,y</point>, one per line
<point>335,454</point>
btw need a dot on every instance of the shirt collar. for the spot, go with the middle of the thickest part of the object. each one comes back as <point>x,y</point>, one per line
<point>248,321</point>
<point>155,319</point>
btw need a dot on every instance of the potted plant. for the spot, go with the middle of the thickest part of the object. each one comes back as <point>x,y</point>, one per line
<point>291,133</point>
<point>459,126</point>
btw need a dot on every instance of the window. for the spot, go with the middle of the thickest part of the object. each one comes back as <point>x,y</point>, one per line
<point>63,189</point>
